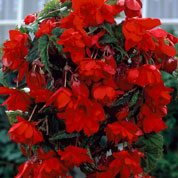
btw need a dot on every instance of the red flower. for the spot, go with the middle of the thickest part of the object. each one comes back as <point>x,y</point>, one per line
<point>51,166</point>
<point>122,130</point>
<point>41,95</point>
<point>35,80</point>
<point>14,52</point>
<point>136,33</point>
<point>75,43</point>
<point>126,162</point>
<point>145,75</point>
<point>29,19</point>
<point>94,12</point>
<point>122,114</point>
<point>80,89</point>
<point>46,27</point>
<point>18,100</point>
<point>151,121</point>
<point>95,70</point>
<point>83,114</point>
<point>158,95</point>
<point>60,98</point>
<point>161,36</point>
<point>132,8</point>
<point>28,169</point>
<point>105,94</point>
<point>25,132</point>
<point>74,156</point>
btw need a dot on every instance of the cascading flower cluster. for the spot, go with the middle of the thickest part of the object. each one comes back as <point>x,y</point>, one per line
<point>95,97</point>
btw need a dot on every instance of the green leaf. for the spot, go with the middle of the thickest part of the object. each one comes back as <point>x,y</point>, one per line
<point>153,150</point>
<point>1,52</point>
<point>57,31</point>
<point>67,4</point>
<point>126,97</point>
<point>33,52</point>
<point>108,27</point>
<point>50,6</point>
<point>92,29</point>
<point>108,39</point>
<point>33,28</point>
<point>121,101</point>
<point>134,99</point>
<point>2,79</point>
<point>63,135</point>
<point>43,50</point>
<point>111,2</point>
<point>59,47</point>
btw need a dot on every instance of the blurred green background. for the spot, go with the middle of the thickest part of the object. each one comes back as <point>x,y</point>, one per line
<point>167,167</point>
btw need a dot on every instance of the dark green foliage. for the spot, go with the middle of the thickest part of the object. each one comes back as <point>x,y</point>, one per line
<point>33,52</point>
<point>63,135</point>
<point>10,154</point>
<point>43,46</point>
<point>2,79</point>
<point>107,39</point>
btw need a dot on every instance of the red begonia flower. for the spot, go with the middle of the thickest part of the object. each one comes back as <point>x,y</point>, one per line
<point>75,43</point>
<point>41,95</point>
<point>151,120</point>
<point>80,89</point>
<point>105,94</point>
<point>158,95</point>
<point>83,114</point>
<point>25,132</point>
<point>51,166</point>
<point>94,12</point>
<point>18,100</point>
<point>122,114</point>
<point>132,8</point>
<point>14,52</point>
<point>161,36</point>
<point>94,70</point>
<point>74,156</point>
<point>136,33</point>
<point>46,27</point>
<point>60,98</point>
<point>28,169</point>
<point>29,19</point>
<point>145,75</point>
<point>122,130</point>
<point>126,162</point>
<point>35,80</point>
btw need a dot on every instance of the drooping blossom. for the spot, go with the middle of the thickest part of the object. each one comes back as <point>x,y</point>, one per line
<point>75,43</point>
<point>74,156</point>
<point>83,114</point>
<point>145,75</point>
<point>137,35</point>
<point>126,163</point>
<point>60,98</point>
<point>25,132</point>
<point>132,8</point>
<point>151,120</point>
<point>41,95</point>
<point>18,100</point>
<point>15,51</point>
<point>29,19</point>
<point>46,27</point>
<point>94,70</point>
<point>122,130</point>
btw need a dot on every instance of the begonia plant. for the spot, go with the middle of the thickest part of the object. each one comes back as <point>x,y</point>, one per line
<point>87,91</point>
